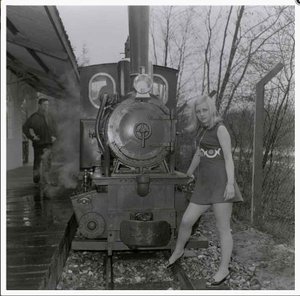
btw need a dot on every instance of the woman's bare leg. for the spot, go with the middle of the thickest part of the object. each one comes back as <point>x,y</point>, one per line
<point>222,213</point>
<point>190,216</point>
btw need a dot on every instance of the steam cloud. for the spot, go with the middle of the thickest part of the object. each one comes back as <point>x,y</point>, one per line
<point>66,148</point>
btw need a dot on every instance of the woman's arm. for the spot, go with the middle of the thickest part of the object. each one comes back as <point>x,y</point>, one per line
<point>195,162</point>
<point>225,142</point>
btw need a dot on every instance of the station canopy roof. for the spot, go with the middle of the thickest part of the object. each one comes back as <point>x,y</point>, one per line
<point>39,51</point>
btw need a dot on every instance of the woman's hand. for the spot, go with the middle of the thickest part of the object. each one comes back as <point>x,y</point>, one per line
<point>229,192</point>
<point>191,176</point>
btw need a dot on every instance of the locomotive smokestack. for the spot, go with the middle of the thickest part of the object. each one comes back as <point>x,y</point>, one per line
<point>139,38</point>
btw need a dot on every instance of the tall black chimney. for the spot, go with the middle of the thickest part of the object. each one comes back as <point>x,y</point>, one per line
<point>139,39</point>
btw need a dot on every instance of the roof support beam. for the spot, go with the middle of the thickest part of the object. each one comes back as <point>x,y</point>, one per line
<point>23,42</point>
<point>58,26</point>
<point>16,64</point>
<point>52,65</point>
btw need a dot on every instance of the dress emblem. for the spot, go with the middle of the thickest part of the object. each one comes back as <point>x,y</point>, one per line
<point>210,153</point>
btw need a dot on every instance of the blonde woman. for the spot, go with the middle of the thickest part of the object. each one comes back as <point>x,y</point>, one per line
<point>214,185</point>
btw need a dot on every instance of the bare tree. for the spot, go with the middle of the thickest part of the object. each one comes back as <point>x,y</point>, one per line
<point>83,57</point>
<point>161,26</point>
<point>174,35</point>
<point>230,49</point>
<point>233,49</point>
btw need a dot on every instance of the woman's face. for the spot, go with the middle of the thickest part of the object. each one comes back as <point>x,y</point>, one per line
<point>202,113</point>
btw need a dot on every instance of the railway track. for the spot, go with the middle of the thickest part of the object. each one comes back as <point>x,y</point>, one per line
<point>182,277</point>
<point>178,274</point>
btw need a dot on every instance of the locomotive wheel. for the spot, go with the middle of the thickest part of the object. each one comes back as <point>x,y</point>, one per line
<point>92,225</point>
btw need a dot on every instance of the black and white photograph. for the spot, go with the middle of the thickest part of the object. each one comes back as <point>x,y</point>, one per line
<point>148,147</point>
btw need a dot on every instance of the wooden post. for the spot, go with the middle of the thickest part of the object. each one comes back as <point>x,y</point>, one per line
<point>257,172</point>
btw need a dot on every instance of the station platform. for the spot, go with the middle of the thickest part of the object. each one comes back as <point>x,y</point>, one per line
<point>40,229</point>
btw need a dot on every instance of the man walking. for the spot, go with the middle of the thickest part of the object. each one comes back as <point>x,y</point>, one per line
<point>40,128</point>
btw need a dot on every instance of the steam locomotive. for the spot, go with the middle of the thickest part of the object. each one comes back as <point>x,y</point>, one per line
<point>127,151</point>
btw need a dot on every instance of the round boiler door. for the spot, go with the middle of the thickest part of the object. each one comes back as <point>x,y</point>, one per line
<point>139,133</point>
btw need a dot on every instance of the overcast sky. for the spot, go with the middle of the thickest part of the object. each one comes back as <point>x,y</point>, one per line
<point>104,30</point>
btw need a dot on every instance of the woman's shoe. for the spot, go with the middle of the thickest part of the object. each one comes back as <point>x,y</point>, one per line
<point>217,283</point>
<point>170,265</point>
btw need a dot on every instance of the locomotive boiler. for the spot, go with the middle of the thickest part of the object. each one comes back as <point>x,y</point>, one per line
<point>129,197</point>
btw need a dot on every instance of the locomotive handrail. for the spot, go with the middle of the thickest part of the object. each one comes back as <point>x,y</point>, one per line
<point>98,119</point>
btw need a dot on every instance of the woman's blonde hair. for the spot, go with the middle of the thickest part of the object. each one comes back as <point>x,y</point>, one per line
<point>214,116</point>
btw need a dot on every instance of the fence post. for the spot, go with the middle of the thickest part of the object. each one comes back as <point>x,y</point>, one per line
<point>257,172</point>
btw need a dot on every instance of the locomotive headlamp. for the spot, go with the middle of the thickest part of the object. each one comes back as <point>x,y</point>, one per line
<point>142,83</point>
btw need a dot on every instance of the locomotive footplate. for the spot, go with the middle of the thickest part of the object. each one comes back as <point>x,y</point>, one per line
<point>176,178</point>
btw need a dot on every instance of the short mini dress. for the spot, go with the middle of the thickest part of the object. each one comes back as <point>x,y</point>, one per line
<point>212,177</point>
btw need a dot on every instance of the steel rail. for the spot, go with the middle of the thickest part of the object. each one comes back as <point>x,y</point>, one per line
<point>180,274</point>
<point>108,272</point>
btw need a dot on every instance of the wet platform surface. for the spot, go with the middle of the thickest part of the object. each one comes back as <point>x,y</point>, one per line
<point>39,232</point>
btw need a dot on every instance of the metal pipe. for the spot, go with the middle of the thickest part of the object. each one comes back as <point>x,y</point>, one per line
<point>139,38</point>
